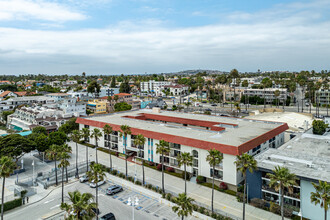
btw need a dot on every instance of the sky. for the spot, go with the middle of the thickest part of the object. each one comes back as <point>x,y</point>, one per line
<point>160,36</point>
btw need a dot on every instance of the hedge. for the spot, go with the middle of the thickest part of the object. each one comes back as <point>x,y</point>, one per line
<point>12,204</point>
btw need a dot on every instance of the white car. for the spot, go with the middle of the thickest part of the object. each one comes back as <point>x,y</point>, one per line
<point>83,178</point>
<point>93,185</point>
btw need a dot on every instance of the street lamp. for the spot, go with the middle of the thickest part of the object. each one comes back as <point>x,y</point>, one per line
<point>133,204</point>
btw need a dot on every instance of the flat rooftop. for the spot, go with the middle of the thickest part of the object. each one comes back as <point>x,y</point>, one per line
<point>225,131</point>
<point>307,155</point>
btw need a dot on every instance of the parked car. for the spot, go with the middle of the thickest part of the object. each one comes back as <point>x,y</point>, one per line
<point>83,178</point>
<point>96,211</point>
<point>109,216</point>
<point>114,189</point>
<point>93,185</point>
<point>208,110</point>
<point>204,101</point>
<point>214,105</point>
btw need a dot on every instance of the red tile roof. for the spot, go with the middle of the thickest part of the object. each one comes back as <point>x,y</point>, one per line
<point>5,93</point>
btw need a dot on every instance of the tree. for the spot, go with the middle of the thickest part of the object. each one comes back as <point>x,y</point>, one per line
<point>96,174</point>
<point>69,126</point>
<point>94,88</point>
<point>162,148</point>
<point>244,163</point>
<point>113,82</point>
<point>122,106</point>
<point>57,137</point>
<point>282,178</point>
<point>96,134</point>
<point>39,130</point>
<point>184,206</point>
<point>80,203</point>
<point>322,196</point>
<point>107,130</point>
<point>15,146</point>
<point>124,87</point>
<point>42,142</point>
<point>66,149</point>
<point>319,127</point>
<point>86,135</point>
<point>277,93</point>
<point>52,153</point>
<point>7,167</point>
<point>214,157</point>
<point>140,140</point>
<point>234,75</point>
<point>5,114</point>
<point>185,159</point>
<point>63,164</point>
<point>75,137</point>
<point>245,83</point>
<point>124,131</point>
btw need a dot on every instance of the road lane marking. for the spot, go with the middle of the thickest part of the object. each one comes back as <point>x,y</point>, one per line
<point>49,201</point>
<point>55,206</point>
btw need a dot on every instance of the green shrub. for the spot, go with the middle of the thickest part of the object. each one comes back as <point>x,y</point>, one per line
<point>138,183</point>
<point>195,207</point>
<point>173,199</point>
<point>230,192</point>
<point>201,210</point>
<point>200,179</point>
<point>163,195</point>
<point>12,204</point>
<point>168,196</point>
<point>214,215</point>
<point>149,186</point>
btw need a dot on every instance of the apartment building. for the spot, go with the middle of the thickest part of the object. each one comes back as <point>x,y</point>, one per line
<point>107,91</point>
<point>26,118</point>
<point>97,106</point>
<point>72,105</point>
<point>122,97</point>
<point>58,96</point>
<point>29,100</point>
<point>152,85</point>
<point>307,157</point>
<point>191,133</point>
<point>268,94</point>
<point>174,90</point>
<point>322,96</point>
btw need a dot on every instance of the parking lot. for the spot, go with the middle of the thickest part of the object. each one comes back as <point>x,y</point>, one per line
<point>147,204</point>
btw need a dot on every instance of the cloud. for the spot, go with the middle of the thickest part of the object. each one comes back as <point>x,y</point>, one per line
<point>272,43</point>
<point>37,9</point>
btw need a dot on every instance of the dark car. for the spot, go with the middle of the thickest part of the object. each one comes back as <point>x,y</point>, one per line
<point>208,110</point>
<point>96,211</point>
<point>114,189</point>
<point>204,102</point>
<point>214,105</point>
<point>109,216</point>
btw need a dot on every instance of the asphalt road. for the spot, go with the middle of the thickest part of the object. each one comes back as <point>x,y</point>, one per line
<point>51,205</point>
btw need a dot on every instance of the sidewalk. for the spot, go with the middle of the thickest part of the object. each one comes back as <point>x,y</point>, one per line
<point>222,201</point>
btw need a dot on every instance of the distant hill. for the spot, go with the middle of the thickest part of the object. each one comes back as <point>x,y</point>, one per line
<point>193,72</point>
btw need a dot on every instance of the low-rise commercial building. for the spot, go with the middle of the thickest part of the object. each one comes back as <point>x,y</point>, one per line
<point>191,133</point>
<point>122,97</point>
<point>322,96</point>
<point>308,157</point>
<point>152,85</point>
<point>268,94</point>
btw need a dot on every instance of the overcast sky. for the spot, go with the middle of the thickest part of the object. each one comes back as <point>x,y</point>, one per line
<point>154,36</point>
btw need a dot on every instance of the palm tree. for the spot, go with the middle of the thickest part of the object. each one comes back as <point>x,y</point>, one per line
<point>140,141</point>
<point>162,148</point>
<point>185,159</point>
<point>96,134</point>
<point>244,163</point>
<point>277,93</point>
<point>214,158</point>
<point>282,178</point>
<point>64,163</point>
<point>185,206</point>
<point>86,135</point>
<point>321,196</point>
<point>80,203</point>
<point>52,153</point>
<point>107,130</point>
<point>96,174</point>
<point>75,137</point>
<point>125,130</point>
<point>7,167</point>
<point>67,149</point>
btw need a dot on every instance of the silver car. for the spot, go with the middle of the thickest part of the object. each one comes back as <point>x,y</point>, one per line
<point>83,178</point>
<point>93,185</point>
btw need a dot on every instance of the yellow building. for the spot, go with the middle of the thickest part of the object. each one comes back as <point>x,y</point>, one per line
<point>97,106</point>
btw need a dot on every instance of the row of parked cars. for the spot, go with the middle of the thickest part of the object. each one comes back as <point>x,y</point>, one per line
<point>113,189</point>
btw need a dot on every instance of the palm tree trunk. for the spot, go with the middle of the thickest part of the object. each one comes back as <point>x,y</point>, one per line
<point>62,185</point>
<point>56,171</point>
<point>143,178</point>
<point>97,161</point>
<point>96,199</point>
<point>212,190</point>
<point>77,173</point>
<point>110,156</point>
<point>87,158</point>
<point>163,173</point>
<point>282,201</point>
<point>185,180</point>
<point>3,197</point>
<point>325,214</point>
<point>182,217</point>
<point>125,142</point>
<point>66,174</point>
<point>244,192</point>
